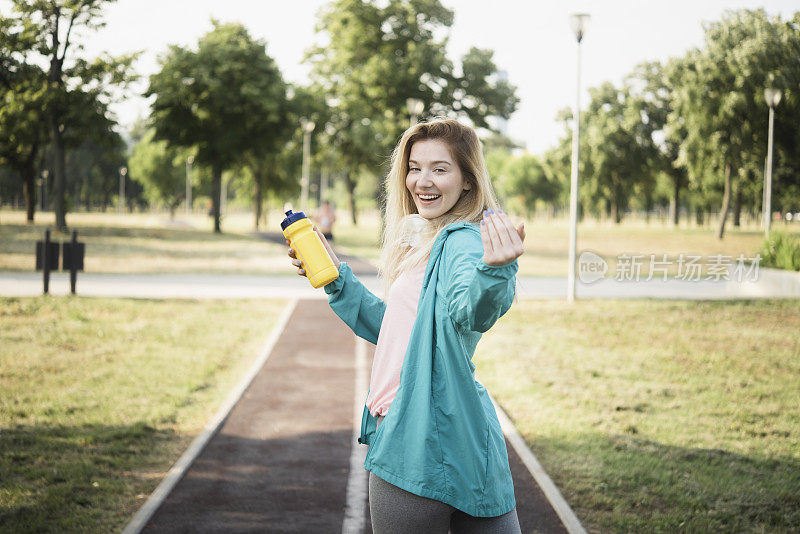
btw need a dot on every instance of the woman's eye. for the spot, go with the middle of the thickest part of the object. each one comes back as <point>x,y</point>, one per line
<point>415,169</point>
<point>438,170</point>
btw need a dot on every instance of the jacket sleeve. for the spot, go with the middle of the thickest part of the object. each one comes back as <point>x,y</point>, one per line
<point>360,309</point>
<point>477,294</point>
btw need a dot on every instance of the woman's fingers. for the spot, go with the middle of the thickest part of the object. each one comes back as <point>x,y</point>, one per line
<point>500,234</point>
<point>297,263</point>
<point>492,230</point>
<point>509,232</point>
<point>503,242</point>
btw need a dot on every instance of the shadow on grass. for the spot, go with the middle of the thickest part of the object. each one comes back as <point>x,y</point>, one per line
<point>623,483</point>
<point>77,478</point>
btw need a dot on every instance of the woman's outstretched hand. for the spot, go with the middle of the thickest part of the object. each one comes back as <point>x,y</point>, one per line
<point>297,263</point>
<point>502,241</point>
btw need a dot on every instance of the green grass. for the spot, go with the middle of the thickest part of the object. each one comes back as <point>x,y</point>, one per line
<point>547,243</point>
<point>101,396</point>
<point>144,243</point>
<point>656,416</point>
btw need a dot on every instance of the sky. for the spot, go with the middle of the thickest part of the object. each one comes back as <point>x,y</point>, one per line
<point>532,42</point>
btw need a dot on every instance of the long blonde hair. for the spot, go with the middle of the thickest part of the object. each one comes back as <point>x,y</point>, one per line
<point>398,252</point>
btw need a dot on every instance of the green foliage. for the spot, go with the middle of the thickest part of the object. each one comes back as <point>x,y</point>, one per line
<point>521,181</point>
<point>227,99</point>
<point>377,56</point>
<point>719,101</point>
<point>160,169</point>
<point>782,251</point>
<point>74,102</point>
<point>617,141</point>
<point>93,170</point>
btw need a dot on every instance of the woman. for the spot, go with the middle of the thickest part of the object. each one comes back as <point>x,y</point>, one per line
<point>325,219</point>
<point>437,458</point>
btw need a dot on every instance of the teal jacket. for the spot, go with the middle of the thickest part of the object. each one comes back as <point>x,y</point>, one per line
<point>441,437</point>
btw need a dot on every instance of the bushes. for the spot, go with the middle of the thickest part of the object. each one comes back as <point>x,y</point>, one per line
<point>781,251</point>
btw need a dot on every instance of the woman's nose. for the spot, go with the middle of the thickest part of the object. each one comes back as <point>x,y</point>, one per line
<point>425,178</point>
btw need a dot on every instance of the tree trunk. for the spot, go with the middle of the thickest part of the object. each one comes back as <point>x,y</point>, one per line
<point>699,217</point>
<point>737,205</point>
<point>216,191</point>
<point>726,202</point>
<point>351,191</point>
<point>615,201</point>
<point>675,204</point>
<point>29,186</point>
<point>55,85</point>
<point>258,195</point>
<point>59,178</point>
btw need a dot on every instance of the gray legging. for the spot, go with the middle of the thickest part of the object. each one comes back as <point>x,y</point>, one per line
<point>397,511</point>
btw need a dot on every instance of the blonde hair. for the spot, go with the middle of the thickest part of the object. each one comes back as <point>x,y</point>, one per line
<point>398,252</point>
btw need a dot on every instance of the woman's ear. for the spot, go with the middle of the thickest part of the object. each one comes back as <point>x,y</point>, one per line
<point>467,185</point>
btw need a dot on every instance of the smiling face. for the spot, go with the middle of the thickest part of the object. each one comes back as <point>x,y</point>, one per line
<point>434,179</point>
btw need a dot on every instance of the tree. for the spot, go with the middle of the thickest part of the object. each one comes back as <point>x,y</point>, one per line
<point>22,134</point>
<point>226,99</point>
<point>381,54</point>
<point>273,166</point>
<point>617,148</point>
<point>46,29</point>
<point>719,99</point>
<point>653,94</point>
<point>160,169</point>
<point>521,180</point>
<point>93,170</point>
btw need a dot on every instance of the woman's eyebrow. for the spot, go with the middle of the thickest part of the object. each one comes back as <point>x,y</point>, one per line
<point>432,163</point>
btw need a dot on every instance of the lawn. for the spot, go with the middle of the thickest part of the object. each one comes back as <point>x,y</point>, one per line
<point>150,243</point>
<point>144,244</point>
<point>101,396</point>
<point>656,416</point>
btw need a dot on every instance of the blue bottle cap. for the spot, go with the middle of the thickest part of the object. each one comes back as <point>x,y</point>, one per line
<point>292,217</point>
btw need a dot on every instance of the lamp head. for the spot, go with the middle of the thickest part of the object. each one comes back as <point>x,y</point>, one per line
<point>772,96</point>
<point>307,125</point>
<point>579,22</point>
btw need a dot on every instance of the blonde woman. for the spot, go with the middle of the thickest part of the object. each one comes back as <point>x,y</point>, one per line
<point>437,457</point>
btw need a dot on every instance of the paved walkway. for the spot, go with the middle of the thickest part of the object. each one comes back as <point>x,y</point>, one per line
<point>291,286</point>
<point>281,461</point>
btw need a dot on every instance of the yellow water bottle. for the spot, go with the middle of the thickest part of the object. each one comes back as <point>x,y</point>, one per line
<point>309,249</point>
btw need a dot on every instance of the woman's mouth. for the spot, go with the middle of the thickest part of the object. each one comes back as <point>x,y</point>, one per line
<point>427,199</point>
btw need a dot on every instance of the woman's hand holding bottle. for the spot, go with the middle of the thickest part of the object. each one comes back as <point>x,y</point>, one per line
<point>502,241</point>
<point>297,263</point>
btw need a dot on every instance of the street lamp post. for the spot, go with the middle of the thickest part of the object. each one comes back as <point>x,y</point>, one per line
<point>772,96</point>
<point>189,162</point>
<point>308,127</point>
<point>122,172</point>
<point>578,21</point>
<point>415,108</point>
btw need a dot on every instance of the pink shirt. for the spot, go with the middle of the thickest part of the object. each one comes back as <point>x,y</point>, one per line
<point>390,351</point>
